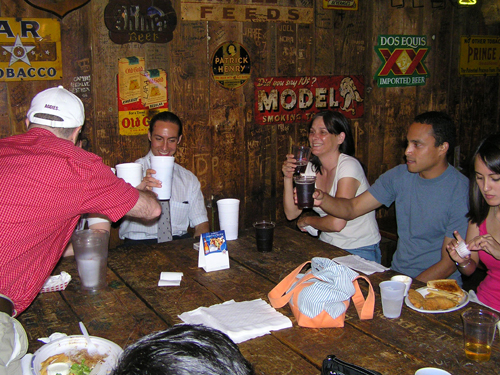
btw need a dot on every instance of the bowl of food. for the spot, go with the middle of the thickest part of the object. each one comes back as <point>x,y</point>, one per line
<point>73,350</point>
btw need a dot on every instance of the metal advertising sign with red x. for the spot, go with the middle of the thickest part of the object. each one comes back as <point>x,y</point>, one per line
<point>402,60</point>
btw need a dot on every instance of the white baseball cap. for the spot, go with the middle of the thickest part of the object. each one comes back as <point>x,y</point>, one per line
<point>57,101</point>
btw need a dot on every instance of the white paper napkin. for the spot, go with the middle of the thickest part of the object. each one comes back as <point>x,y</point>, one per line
<point>56,283</point>
<point>311,230</point>
<point>170,279</point>
<point>360,264</point>
<point>241,321</point>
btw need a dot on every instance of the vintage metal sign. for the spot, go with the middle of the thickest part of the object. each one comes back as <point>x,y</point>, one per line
<point>340,4</point>
<point>403,59</point>
<point>479,55</point>
<point>231,65</point>
<point>282,100</point>
<point>141,94</point>
<point>139,21</point>
<point>31,49</point>
<point>58,7</point>
<point>255,11</point>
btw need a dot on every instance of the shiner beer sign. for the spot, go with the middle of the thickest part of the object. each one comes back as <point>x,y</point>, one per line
<point>31,49</point>
<point>403,59</point>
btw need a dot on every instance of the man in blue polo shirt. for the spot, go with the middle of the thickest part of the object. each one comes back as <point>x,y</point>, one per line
<point>431,200</point>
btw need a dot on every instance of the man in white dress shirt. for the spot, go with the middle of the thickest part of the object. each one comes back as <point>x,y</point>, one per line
<point>187,206</point>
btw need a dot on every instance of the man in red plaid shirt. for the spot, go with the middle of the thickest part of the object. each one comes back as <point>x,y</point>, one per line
<point>46,183</point>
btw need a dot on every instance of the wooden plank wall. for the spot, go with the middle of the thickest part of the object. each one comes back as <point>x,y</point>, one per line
<point>222,145</point>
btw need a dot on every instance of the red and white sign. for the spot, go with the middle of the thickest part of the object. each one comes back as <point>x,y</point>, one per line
<point>286,100</point>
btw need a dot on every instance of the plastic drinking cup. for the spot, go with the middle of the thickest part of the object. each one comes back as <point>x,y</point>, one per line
<point>228,209</point>
<point>479,332</point>
<point>91,255</point>
<point>404,279</point>
<point>305,186</point>
<point>164,168</point>
<point>130,172</point>
<point>301,154</point>
<point>431,371</point>
<point>393,293</point>
<point>264,233</point>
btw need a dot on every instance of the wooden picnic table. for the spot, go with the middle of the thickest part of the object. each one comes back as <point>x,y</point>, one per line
<point>133,305</point>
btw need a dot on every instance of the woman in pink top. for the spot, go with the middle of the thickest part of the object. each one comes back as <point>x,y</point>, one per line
<point>483,233</point>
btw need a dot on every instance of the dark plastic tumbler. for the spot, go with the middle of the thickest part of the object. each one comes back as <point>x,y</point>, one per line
<point>264,231</point>
<point>305,186</point>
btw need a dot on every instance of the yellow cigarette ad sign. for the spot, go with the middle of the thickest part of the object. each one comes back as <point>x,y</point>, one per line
<point>30,49</point>
<point>480,55</point>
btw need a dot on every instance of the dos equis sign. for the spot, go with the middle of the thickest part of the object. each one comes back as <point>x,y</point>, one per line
<point>403,59</point>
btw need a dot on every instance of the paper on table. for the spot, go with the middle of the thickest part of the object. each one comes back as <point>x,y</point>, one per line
<point>311,230</point>
<point>170,279</point>
<point>241,321</point>
<point>360,264</point>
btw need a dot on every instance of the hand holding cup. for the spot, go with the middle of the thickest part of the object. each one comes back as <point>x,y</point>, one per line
<point>453,250</point>
<point>301,154</point>
<point>289,165</point>
<point>149,182</point>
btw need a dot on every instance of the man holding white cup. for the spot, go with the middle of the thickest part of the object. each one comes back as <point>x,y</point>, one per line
<point>51,182</point>
<point>187,206</point>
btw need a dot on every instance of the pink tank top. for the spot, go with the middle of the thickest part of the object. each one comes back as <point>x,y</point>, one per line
<point>488,290</point>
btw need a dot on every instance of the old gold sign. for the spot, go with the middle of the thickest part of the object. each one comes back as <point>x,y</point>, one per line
<point>31,49</point>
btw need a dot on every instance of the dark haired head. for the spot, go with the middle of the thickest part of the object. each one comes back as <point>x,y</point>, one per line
<point>165,116</point>
<point>489,152</point>
<point>183,349</point>
<point>335,123</point>
<point>442,126</point>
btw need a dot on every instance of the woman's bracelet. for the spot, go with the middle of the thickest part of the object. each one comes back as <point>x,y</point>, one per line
<point>464,266</point>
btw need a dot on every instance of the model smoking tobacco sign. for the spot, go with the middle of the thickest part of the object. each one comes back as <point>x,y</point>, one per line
<point>403,59</point>
<point>287,100</point>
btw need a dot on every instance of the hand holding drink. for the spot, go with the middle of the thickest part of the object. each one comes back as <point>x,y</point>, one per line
<point>305,186</point>
<point>301,154</point>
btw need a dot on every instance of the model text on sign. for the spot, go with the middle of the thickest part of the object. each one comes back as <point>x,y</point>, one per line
<point>298,99</point>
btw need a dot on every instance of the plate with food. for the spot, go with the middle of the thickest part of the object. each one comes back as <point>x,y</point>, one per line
<point>439,296</point>
<point>69,355</point>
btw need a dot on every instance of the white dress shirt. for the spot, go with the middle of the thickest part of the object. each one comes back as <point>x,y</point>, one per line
<point>187,206</point>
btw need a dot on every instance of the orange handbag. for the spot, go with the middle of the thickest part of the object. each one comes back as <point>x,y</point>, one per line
<point>281,294</point>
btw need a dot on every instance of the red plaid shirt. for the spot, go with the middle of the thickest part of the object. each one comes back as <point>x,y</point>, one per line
<point>46,183</point>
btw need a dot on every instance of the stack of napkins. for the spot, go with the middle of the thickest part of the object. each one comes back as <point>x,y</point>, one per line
<point>357,263</point>
<point>170,279</point>
<point>241,321</point>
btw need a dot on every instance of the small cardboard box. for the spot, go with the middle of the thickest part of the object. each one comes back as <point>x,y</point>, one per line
<point>129,78</point>
<point>154,88</point>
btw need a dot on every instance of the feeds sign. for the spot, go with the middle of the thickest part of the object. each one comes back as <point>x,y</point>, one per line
<point>280,100</point>
<point>402,60</point>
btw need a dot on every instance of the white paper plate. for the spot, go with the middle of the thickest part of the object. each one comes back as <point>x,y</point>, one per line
<point>78,342</point>
<point>423,291</point>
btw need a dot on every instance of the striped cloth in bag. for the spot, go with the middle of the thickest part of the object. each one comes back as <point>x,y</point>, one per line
<point>320,297</point>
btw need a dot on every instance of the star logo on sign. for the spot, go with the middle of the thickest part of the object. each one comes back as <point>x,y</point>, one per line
<point>18,51</point>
